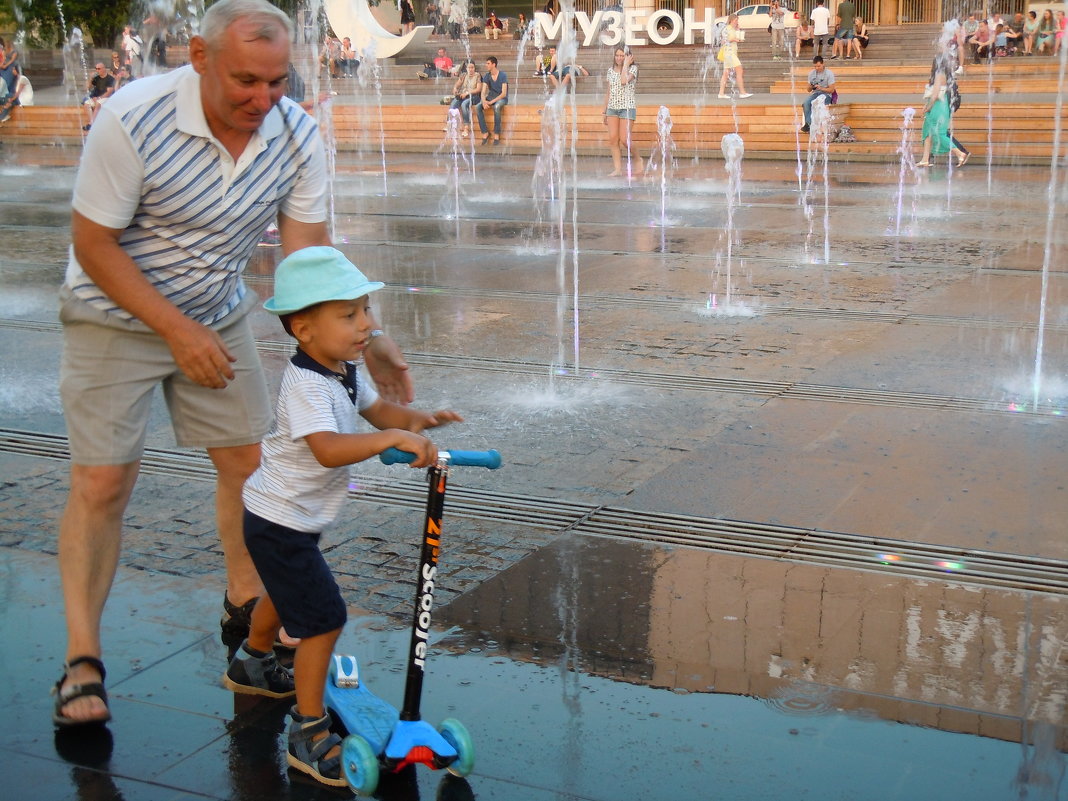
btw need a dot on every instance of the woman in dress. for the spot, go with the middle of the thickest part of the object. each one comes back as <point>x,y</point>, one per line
<point>621,109</point>
<point>407,11</point>
<point>731,36</point>
<point>1047,28</point>
<point>1030,33</point>
<point>936,118</point>
<point>860,37</point>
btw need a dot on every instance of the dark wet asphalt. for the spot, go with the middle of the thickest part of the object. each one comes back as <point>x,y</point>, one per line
<point>628,608</point>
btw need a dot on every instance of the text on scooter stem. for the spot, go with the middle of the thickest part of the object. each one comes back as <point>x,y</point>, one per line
<point>426,603</point>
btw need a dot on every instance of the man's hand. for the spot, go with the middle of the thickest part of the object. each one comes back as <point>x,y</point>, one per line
<point>201,354</point>
<point>389,371</point>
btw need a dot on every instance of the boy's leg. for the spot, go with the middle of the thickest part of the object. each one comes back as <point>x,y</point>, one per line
<point>265,625</point>
<point>310,666</point>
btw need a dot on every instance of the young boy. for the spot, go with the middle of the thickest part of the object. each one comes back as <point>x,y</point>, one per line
<point>301,484</point>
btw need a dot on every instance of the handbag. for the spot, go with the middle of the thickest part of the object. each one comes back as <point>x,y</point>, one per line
<point>722,54</point>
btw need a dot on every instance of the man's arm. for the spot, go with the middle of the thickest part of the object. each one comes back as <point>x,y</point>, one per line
<point>299,235</point>
<point>198,350</point>
<point>504,92</point>
<point>384,360</point>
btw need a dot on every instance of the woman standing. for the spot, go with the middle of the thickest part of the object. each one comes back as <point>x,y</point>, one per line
<point>621,109</point>
<point>468,86</point>
<point>936,117</point>
<point>407,12</point>
<point>729,50</point>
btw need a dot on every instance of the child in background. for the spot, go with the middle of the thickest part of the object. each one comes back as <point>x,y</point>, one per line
<point>301,485</point>
<point>1001,41</point>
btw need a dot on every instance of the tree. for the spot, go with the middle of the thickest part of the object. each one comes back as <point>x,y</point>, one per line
<point>100,20</point>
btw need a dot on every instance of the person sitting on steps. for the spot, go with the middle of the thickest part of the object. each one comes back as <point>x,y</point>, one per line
<point>820,85</point>
<point>442,66</point>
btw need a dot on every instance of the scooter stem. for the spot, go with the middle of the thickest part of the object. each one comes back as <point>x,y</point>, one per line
<point>437,478</point>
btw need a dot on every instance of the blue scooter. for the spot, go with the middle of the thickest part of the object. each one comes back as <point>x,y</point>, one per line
<point>378,736</point>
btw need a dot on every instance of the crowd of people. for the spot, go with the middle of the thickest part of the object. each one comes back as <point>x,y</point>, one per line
<point>1028,35</point>
<point>841,34</point>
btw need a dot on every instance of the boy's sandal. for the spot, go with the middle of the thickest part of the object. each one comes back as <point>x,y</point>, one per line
<point>309,757</point>
<point>64,695</point>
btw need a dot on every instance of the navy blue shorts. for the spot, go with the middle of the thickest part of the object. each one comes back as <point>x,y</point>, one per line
<point>296,577</point>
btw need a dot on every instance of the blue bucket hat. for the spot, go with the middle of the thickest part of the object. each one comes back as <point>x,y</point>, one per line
<point>315,275</point>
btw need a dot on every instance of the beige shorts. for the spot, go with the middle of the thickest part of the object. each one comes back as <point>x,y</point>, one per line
<point>108,374</point>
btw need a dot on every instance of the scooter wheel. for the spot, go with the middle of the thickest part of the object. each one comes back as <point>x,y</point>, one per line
<point>455,734</point>
<point>359,764</point>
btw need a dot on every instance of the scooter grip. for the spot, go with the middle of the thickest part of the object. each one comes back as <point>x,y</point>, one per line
<point>489,459</point>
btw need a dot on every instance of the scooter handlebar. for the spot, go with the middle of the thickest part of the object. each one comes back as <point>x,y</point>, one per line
<point>489,459</point>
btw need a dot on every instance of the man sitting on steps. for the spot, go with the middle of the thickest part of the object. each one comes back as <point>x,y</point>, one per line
<point>441,68</point>
<point>820,84</point>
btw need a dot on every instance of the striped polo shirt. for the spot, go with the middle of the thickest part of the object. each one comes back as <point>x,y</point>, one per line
<point>190,215</point>
<point>290,487</point>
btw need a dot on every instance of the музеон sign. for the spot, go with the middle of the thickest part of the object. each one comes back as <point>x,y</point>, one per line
<point>629,27</point>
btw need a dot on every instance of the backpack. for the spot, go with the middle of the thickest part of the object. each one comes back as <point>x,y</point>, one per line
<point>845,134</point>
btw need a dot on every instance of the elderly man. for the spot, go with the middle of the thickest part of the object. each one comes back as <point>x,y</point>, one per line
<point>101,86</point>
<point>181,174</point>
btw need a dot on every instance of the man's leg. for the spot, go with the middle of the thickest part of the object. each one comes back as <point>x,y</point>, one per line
<point>498,110</point>
<point>90,533</point>
<point>233,466</point>
<point>481,112</point>
<point>807,106</point>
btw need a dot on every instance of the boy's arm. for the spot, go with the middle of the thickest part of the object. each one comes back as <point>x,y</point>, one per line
<point>332,449</point>
<point>384,414</point>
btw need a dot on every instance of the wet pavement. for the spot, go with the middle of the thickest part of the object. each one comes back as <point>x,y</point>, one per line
<point>784,519</point>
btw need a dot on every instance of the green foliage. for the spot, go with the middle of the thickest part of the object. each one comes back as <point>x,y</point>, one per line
<point>100,20</point>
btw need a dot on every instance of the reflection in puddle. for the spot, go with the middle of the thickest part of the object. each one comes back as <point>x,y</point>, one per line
<point>811,642</point>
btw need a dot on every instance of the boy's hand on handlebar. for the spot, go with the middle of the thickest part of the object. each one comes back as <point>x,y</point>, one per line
<point>425,451</point>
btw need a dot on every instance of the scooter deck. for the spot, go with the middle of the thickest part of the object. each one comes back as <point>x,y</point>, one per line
<point>355,707</point>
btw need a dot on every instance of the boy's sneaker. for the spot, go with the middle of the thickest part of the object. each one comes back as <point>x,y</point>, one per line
<point>422,76</point>
<point>251,674</point>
